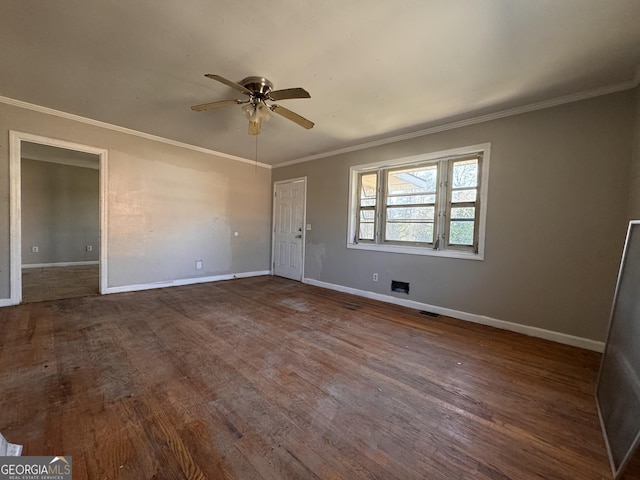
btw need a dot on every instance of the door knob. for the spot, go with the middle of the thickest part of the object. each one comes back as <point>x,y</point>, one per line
<point>298,236</point>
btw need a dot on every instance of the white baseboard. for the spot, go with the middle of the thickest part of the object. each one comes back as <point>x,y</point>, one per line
<point>470,317</point>
<point>59,264</point>
<point>184,281</point>
<point>5,302</point>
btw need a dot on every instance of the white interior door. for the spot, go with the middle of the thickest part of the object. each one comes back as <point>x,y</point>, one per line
<point>288,228</point>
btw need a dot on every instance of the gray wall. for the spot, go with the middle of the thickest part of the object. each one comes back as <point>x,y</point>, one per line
<point>557,212</point>
<point>634,194</point>
<point>60,212</point>
<point>168,206</point>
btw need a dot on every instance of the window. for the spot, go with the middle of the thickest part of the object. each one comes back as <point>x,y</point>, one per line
<point>430,205</point>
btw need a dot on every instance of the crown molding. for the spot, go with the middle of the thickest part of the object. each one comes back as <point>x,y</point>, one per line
<point>618,87</point>
<point>128,131</point>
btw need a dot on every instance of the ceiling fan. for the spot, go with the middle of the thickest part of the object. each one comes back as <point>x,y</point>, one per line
<point>259,91</point>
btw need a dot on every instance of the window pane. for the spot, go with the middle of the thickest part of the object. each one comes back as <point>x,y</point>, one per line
<point>465,174</point>
<point>461,232</point>
<point>464,195</point>
<point>410,213</point>
<point>368,187</point>
<point>366,231</point>
<point>463,212</point>
<point>413,180</point>
<point>367,215</point>
<point>409,232</point>
<point>411,199</point>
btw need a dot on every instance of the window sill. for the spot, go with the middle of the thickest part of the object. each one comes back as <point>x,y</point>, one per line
<point>416,251</point>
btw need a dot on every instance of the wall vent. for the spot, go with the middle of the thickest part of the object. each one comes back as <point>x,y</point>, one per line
<point>401,287</point>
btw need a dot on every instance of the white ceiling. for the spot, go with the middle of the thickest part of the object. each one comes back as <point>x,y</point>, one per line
<point>375,68</point>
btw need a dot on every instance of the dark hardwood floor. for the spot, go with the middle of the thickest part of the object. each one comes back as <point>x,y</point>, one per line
<point>265,378</point>
<point>54,283</point>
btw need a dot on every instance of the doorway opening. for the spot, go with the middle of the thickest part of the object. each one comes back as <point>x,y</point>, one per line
<point>58,235</point>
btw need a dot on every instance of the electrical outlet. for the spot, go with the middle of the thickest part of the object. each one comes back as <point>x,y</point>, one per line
<point>34,249</point>
<point>198,264</point>
<point>89,248</point>
<point>375,277</point>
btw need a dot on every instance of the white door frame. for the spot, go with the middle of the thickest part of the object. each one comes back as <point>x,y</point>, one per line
<point>15,205</point>
<point>304,222</point>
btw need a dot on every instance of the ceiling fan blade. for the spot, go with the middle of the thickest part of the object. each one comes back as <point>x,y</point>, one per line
<point>207,106</point>
<point>294,117</point>
<point>231,84</point>
<point>288,93</point>
<point>254,127</point>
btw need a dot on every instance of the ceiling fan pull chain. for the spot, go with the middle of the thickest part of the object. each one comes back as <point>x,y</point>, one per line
<point>257,153</point>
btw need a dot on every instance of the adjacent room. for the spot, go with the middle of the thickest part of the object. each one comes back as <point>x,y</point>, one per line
<point>384,240</point>
<point>60,219</point>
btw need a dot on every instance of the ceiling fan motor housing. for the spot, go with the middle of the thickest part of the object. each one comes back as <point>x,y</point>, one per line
<point>259,85</point>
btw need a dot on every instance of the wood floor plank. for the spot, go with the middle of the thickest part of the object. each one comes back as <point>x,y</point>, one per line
<point>265,378</point>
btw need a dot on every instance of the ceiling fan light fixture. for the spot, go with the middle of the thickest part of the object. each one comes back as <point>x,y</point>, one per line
<point>248,110</point>
<point>257,112</point>
<point>264,112</point>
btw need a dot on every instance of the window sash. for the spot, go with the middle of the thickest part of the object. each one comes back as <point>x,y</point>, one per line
<point>386,221</point>
<point>451,245</point>
<point>362,208</point>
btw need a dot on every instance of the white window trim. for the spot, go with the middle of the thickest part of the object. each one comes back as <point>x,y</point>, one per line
<point>484,148</point>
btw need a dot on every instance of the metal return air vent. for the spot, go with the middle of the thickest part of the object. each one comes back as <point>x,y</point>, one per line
<point>400,287</point>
